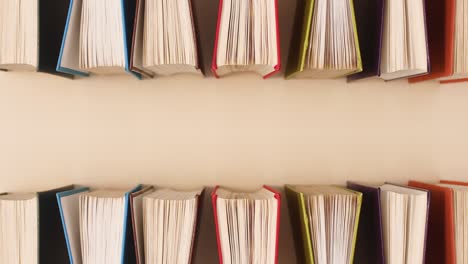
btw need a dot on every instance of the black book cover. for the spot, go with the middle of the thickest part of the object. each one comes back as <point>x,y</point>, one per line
<point>369,22</point>
<point>52,243</point>
<point>52,19</point>
<point>369,241</point>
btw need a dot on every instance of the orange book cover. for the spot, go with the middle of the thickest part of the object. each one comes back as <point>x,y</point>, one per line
<point>440,245</point>
<point>441,31</point>
<point>455,183</point>
<point>454,81</point>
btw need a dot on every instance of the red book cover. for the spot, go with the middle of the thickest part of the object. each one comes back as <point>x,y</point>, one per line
<point>214,65</point>
<point>215,211</point>
<point>441,31</point>
<point>440,244</point>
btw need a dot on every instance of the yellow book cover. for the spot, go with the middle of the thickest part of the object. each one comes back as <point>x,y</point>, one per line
<point>297,57</point>
<point>298,205</point>
<point>356,39</point>
<point>296,65</point>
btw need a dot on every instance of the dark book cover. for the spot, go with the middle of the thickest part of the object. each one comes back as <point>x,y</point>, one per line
<point>369,21</point>
<point>52,19</point>
<point>52,241</point>
<point>441,230</point>
<point>369,244</point>
<point>440,19</point>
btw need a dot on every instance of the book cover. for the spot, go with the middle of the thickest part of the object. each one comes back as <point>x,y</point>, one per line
<point>369,19</point>
<point>300,224</point>
<point>300,37</point>
<point>59,197</point>
<point>52,242</point>
<point>369,244</point>
<point>441,230</point>
<point>440,21</point>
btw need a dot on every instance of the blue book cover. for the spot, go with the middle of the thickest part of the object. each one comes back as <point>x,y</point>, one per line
<point>59,196</point>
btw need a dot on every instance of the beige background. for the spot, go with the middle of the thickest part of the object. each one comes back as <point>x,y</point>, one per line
<point>240,131</point>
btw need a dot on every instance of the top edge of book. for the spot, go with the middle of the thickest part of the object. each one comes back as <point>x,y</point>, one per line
<point>106,193</point>
<point>171,194</point>
<point>18,196</point>
<point>322,190</point>
<point>261,194</point>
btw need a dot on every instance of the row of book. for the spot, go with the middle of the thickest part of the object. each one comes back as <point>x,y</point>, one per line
<point>416,39</point>
<point>414,224</point>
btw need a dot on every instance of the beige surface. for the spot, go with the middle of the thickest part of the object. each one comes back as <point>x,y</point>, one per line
<point>239,131</point>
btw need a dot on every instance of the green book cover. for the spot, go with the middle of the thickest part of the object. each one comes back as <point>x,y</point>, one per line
<point>299,211</point>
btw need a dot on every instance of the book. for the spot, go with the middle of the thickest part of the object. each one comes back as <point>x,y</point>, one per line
<point>136,53</point>
<point>169,38</point>
<point>459,61</point>
<point>68,60</point>
<point>369,21</point>
<point>326,235</point>
<point>170,223</point>
<point>329,45</point>
<point>440,231</point>
<point>460,210</point>
<point>369,243</point>
<point>107,233</point>
<point>31,229</point>
<point>68,204</point>
<point>30,35</point>
<point>136,209</point>
<point>247,38</point>
<point>97,38</point>
<point>404,48</point>
<point>247,225</point>
<point>440,33</point>
<point>404,220</point>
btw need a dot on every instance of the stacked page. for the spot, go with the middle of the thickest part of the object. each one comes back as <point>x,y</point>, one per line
<point>30,229</point>
<point>102,37</point>
<point>19,35</point>
<point>247,38</point>
<point>404,47</point>
<point>141,37</point>
<point>105,226</point>
<point>170,220</point>
<point>19,230</point>
<point>169,39</point>
<point>329,45</point>
<point>328,217</point>
<point>97,38</point>
<point>404,220</point>
<point>247,225</point>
